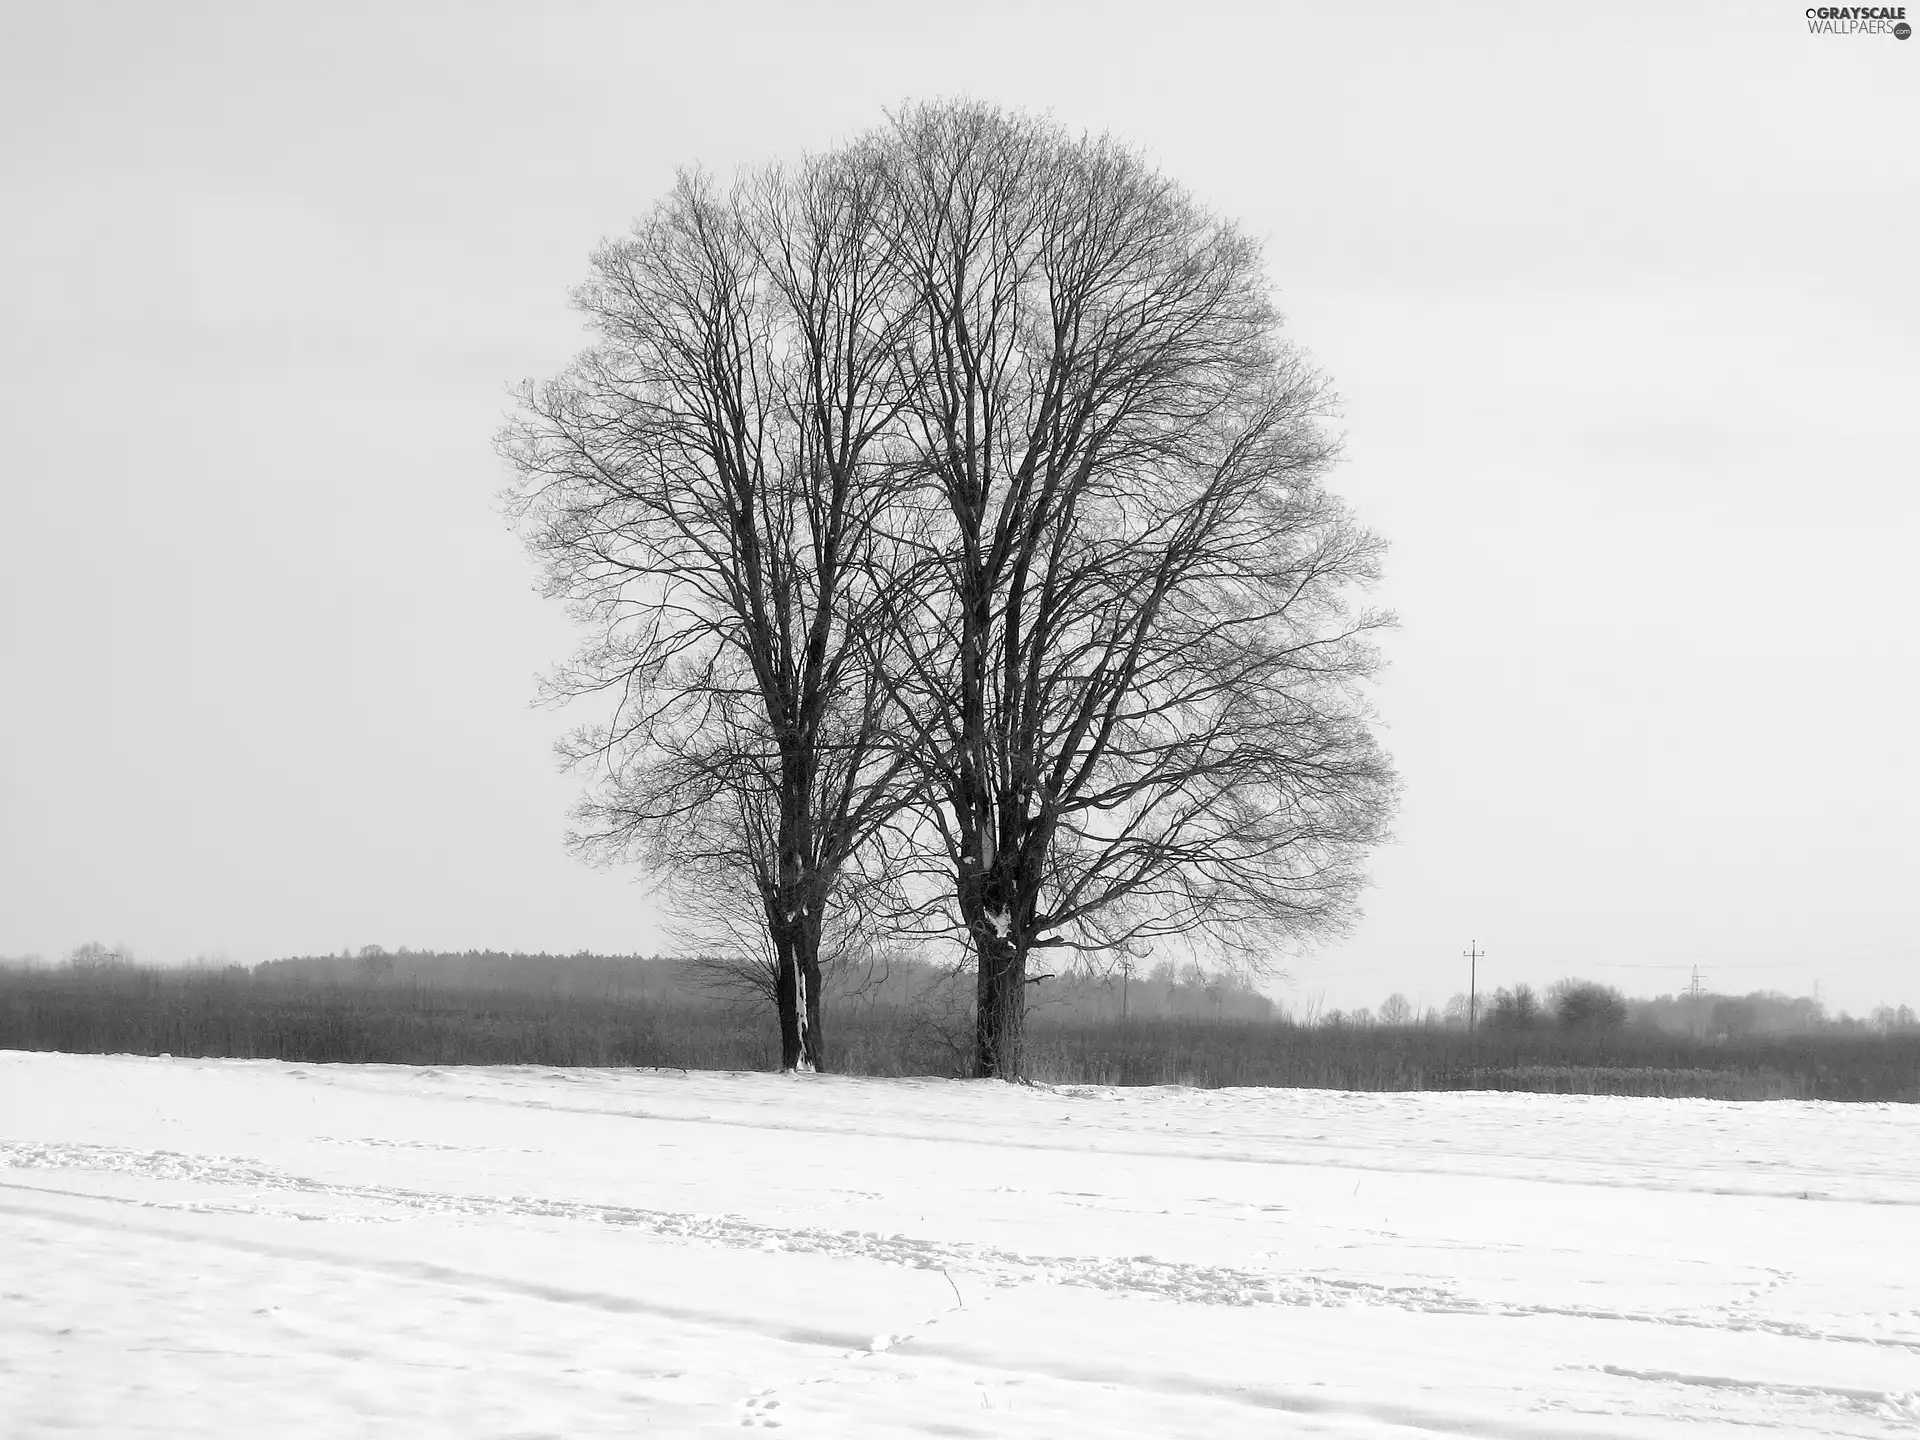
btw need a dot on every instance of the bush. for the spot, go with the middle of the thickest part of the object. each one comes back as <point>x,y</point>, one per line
<point>1585,1008</point>
<point>1514,1011</point>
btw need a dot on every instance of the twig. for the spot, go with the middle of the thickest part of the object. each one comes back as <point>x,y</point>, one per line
<point>956,1288</point>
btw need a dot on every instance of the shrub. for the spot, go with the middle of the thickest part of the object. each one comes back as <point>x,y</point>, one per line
<point>1586,1008</point>
<point>1514,1011</point>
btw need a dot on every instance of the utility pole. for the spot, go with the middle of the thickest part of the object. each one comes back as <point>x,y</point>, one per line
<point>1694,993</point>
<point>1474,955</point>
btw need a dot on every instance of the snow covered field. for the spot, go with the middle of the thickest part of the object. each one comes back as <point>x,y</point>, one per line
<point>259,1249</point>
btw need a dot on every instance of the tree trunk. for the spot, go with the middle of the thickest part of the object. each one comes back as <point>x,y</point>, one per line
<point>797,983</point>
<point>1000,1009</point>
<point>786,994</point>
<point>997,902</point>
<point>794,919</point>
<point>806,963</point>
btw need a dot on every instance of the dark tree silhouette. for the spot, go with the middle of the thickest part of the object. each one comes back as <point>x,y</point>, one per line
<point>950,506</point>
<point>1139,667</point>
<point>1514,1010</point>
<point>702,487</point>
<point>1586,1007</point>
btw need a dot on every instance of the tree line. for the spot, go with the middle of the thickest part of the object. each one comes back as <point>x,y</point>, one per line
<point>945,517</point>
<point>1584,1007</point>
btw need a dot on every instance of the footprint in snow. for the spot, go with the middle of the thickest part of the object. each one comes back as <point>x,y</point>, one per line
<point>758,1408</point>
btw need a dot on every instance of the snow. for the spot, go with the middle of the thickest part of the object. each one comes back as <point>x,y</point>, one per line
<point>228,1248</point>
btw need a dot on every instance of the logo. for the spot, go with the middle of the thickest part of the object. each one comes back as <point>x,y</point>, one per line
<point>1859,20</point>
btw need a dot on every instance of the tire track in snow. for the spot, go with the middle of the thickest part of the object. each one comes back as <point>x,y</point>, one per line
<point>1881,1404</point>
<point>419,1270</point>
<point>1142,1275</point>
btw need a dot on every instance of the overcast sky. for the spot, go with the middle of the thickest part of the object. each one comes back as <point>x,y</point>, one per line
<point>1621,303</point>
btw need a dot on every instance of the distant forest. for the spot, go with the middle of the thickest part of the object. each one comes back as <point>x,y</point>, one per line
<point>909,1017</point>
<point>1161,991</point>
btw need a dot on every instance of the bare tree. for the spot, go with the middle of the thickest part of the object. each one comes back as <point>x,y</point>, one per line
<point>702,487</point>
<point>1888,1019</point>
<point>986,431</point>
<point>96,958</point>
<point>1140,663</point>
<point>1516,1010</point>
<point>1396,1009</point>
<point>716,894</point>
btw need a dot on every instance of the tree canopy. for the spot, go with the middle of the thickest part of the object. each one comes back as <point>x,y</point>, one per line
<point>948,513</point>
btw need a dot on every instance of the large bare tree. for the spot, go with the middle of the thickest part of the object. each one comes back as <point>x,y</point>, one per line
<point>955,498</point>
<point>1140,665</point>
<point>703,488</point>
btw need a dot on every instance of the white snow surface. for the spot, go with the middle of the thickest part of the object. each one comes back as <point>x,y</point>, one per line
<point>236,1248</point>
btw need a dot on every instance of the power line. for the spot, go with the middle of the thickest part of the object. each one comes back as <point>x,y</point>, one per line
<point>1691,964</point>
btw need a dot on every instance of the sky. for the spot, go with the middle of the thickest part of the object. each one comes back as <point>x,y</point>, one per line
<point>1619,301</point>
